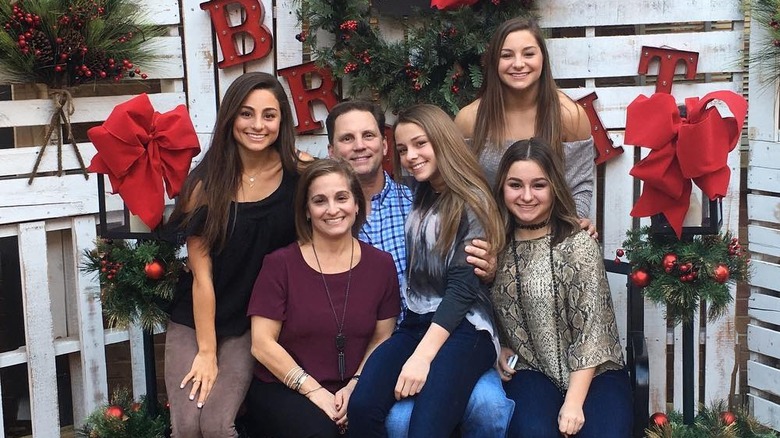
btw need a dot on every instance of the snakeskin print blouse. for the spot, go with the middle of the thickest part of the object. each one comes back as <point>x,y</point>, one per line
<point>557,332</point>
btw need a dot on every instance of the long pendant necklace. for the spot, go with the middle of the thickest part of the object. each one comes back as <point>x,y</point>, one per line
<point>341,339</point>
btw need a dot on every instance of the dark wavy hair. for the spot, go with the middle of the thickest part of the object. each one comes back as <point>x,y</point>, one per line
<point>215,180</point>
<point>563,215</point>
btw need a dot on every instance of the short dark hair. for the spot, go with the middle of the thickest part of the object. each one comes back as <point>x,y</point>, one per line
<point>316,169</point>
<point>354,105</point>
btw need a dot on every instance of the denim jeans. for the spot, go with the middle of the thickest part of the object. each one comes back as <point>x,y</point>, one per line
<point>439,407</point>
<point>607,408</point>
<point>487,413</point>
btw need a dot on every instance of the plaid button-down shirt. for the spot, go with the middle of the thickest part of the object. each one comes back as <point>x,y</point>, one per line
<point>384,227</point>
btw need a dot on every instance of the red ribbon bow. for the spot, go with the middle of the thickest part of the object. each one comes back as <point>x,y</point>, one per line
<point>695,147</point>
<point>139,148</point>
<point>451,4</point>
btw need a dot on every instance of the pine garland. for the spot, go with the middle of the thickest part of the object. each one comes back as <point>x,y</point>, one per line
<point>438,62</point>
<point>124,418</point>
<point>680,273</point>
<point>137,280</point>
<point>767,55</point>
<point>65,43</point>
<point>715,421</point>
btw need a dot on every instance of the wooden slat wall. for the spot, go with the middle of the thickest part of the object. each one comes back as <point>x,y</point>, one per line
<point>55,217</point>
<point>764,240</point>
<point>593,57</point>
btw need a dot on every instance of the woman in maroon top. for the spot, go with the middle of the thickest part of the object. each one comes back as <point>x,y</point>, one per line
<point>318,309</point>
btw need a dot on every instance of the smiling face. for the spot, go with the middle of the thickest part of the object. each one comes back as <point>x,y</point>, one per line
<point>417,155</point>
<point>528,195</point>
<point>520,62</point>
<point>331,206</point>
<point>357,138</point>
<point>256,126</point>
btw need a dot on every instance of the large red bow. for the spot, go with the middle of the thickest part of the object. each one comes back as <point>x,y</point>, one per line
<point>451,4</point>
<point>695,147</point>
<point>139,149</point>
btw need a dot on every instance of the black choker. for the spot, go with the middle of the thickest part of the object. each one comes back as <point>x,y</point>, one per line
<point>536,226</point>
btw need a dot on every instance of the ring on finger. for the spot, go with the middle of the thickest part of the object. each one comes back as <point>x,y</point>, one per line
<point>506,373</point>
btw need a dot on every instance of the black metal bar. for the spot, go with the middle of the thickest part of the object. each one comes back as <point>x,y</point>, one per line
<point>688,388</point>
<point>150,370</point>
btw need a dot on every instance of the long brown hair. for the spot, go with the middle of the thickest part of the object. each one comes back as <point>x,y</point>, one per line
<point>458,167</point>
<point>563,215</point>
<point>490,123</point>
<point>214,181</point>
<point>315,170</point>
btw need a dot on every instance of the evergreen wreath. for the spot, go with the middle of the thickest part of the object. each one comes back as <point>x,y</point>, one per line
<point>65,43</point>
<point>122,417</point>
<point>438,62</point>
<point>681,273</point>
<point>716,421</point>
<point>767,14</point>
<point>137,280</point>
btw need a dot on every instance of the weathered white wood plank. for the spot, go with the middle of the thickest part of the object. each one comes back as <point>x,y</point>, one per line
<point>612,102</point>
<point>90,318</point>
<point>289,51</point>
<point>765,179</point>
<point>574,13</point>
<point>618,198</point>
<point>763,377</point>
<point>617,286</point>
<point>766,412</point>
<point>47,197</point>
<point>678,365</point>
<point>200,68</point>
<point>763,208</point>
<point>764,308</point>
<point>37,112</point>
<point>763,154</point>
<point>720,334</point>
<point>55,245</point>
<point>135,336</point>
<point>655,336</point>
<point>20,161</point>
<point>160,12</point>
<point>764,240</point>
<point>168,62</point>
<point>764,274</point>
<point>38,330</point>
<point>586,57</point>
<point>764,341</point>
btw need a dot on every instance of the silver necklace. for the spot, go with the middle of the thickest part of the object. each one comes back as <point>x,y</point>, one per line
<point>341,339</point>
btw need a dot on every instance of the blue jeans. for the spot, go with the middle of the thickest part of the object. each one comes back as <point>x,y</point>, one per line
<point>487,413</point>
<point>438,408</point>
<point>607,408</point>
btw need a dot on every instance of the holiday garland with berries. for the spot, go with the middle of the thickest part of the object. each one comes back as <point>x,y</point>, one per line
<point>767,54</point>
<point>124,418</point>
<point>65,43</point>
<point>437,62</point>
<point>137,280</point>
<point>682,273</point>
<point>716,421</point>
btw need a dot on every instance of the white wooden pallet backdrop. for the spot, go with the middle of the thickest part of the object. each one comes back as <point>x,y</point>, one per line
<point>763,207</point>
<point>56,215</point>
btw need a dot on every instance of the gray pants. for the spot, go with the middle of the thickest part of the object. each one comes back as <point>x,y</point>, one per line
<point>216,418</point>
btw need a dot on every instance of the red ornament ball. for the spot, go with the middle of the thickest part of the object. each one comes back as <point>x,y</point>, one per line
<point>728,418</point>
<point>114,411</point>
<point>669,260</point>
<point>154,270</point>
<point>659,419</point>
<point>640,278</point>
<point>721,273</point>
<point>619,252</point>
